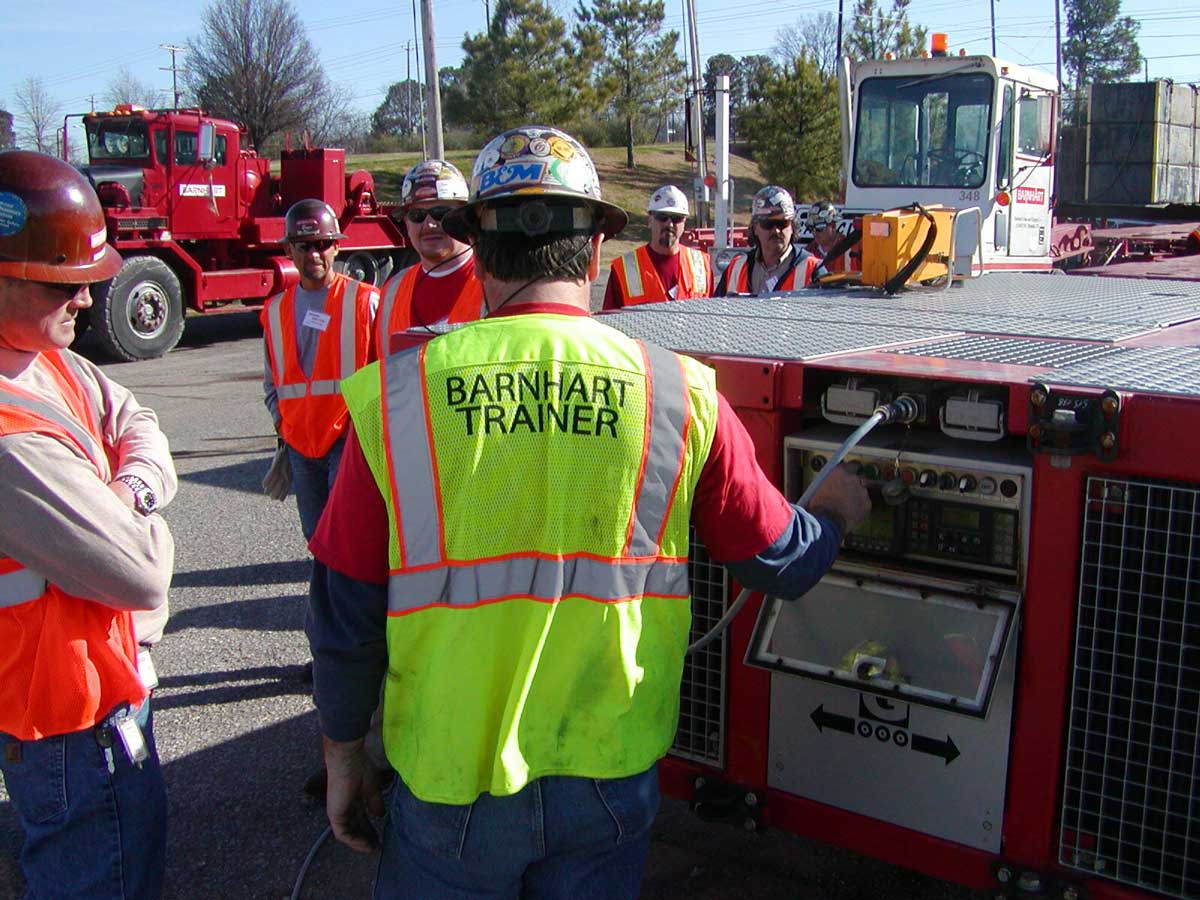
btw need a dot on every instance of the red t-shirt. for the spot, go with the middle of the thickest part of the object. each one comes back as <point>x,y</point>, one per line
<point>436,292</point>
<point>737,511</point>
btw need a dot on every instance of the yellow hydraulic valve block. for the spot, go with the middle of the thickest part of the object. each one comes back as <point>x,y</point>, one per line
<point>892,238</point>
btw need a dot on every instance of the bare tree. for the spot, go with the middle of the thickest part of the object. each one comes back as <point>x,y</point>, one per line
<point>814,36</point>
<point>127,88</point>
<point>8,140</point>
<point>254,63</point>
<point>337,123</point>
<point>40,113</point>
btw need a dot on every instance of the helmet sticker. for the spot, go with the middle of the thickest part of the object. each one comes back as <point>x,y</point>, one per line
<point>13,213</point>
<point>539,147</point>
<point>511,175</point>
<point>562,149</point>
<point>514,145</point>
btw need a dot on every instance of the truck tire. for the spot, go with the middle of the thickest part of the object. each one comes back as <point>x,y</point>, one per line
<point>366,266</point>
<point>140,316</point>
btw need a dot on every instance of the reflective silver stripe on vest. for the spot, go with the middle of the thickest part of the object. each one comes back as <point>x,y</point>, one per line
<point>633,275</point>
<point>696,276</point>
<point>275,335</point>
<point>735,274</point>
<point>20,587</point>
<point>537,578</point>
<point>412,463</point>
<point>384,316</point>
<point>668,413</point>
<point>68,424</point>
<point>347,356</point>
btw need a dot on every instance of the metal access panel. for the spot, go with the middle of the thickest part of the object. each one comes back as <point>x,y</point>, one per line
<point>1131,796</point>
<point>913,764</point>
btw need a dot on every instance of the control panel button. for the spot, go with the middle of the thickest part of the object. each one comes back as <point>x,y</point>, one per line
<point>817,463</point>
<point>908,476</point>
<point>948,481</point>
<point>928,479</point>
<point>1008,487</point>
<point>967,484</point>
<point>870,470</point>
<point>987,485</point>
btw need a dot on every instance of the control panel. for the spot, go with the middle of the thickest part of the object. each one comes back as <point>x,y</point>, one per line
<point>962,511</point>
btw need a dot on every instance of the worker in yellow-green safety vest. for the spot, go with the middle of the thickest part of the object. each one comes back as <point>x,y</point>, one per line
<point>507,544</point>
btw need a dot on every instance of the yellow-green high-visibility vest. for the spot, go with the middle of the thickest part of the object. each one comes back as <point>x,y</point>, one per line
<point>538,472</point>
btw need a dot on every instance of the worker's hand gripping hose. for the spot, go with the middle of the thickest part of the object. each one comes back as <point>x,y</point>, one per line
<point>903,410</point>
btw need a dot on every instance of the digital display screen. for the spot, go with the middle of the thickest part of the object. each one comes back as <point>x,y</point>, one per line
<point>960,517</point>
<point>879,524</point>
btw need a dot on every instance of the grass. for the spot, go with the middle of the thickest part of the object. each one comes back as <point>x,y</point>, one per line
<point>654,165</point>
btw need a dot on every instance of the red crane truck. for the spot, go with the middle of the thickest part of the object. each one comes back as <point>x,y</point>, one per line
<point>198,217</point>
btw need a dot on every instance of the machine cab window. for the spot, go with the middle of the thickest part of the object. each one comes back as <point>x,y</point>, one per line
<point>186,143</point>
<point>112,139</point>
<point>931,131</point>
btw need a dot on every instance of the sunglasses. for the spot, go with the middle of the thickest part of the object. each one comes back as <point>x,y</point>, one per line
<point>437,213</point>
<point>774,224</point>
<point>68,291</point>
<point>310,246</point>
<point>664,218</point>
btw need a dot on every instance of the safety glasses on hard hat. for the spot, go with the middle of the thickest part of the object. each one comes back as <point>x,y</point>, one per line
<point>417,215</point>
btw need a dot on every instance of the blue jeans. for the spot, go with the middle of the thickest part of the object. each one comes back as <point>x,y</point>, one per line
<point>560,838</point>
<point>89,833</point>
<point>312,480</point>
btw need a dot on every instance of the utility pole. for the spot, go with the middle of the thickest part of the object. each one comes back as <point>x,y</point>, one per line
<point>432,88</point>
<point>408,88</point>
<point>993,7</point>
<point>173,70</point>
<point>841,12</point>
<point>698,114</point>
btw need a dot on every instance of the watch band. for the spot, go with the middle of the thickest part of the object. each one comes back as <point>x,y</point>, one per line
<point>144,499</point>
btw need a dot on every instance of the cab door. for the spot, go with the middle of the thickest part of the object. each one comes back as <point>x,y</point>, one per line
<point>203,195</point>
<point>1026,128</point>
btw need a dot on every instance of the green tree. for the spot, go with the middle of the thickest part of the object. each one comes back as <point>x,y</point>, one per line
<point>524,69</point>
<point>400,111</point>
<point>1101,44</point>
<point>874,33</point>
<point>746,77</point>
<point>637,59</point>
<point>453,85</point>
<point>794,130</point>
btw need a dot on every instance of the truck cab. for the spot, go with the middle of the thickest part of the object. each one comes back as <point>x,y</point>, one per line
<point>972,133</point>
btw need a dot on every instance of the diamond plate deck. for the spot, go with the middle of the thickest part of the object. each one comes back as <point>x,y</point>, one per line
<point>1011,351</point>
<point>1147,370</point>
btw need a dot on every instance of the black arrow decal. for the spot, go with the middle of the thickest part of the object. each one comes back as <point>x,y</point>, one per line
<point>945,749</point>
<point>833,720</point>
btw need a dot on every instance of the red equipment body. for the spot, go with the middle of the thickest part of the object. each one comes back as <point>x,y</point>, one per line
<point>198,217</point>
<point>997,684</point>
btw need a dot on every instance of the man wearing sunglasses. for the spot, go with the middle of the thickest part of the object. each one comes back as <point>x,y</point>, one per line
<point>317,333</point>
<point>663,269</point>
<point>84,468</point>
<point>441,287</point>
<point>773,264</point>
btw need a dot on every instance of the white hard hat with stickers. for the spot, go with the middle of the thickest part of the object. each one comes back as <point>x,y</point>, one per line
<point>822,215</point>
<point>519,179</point>
<point>433,179</point>
<point>669,199</point>
<point>772,202</point>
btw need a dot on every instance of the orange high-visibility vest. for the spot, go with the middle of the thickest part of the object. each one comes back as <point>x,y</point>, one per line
<point>312,413</point>
<point>639,280</point>
<point>737,276</point>
<point>396,308</point>
<point>67,662</point>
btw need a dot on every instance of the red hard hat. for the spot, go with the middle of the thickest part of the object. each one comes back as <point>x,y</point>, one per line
<point>308,219</point>
<point>51,222</point>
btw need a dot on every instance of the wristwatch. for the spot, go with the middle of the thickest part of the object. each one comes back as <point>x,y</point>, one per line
<point>144,499</point>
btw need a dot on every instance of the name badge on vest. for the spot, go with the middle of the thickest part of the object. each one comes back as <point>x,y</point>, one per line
<point>316,319</point>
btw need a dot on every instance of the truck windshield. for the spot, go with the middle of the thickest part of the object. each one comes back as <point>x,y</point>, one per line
<point>925,131</point>
<point>122,138</point>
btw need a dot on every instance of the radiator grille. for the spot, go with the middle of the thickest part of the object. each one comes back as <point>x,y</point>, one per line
<point>1131,811</point>
<point>701,733</point>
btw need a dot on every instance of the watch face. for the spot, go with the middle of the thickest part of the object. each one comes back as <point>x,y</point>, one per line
<point>145,501</point>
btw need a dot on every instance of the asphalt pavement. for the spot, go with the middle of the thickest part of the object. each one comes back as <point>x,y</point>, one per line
<point>234,720</point>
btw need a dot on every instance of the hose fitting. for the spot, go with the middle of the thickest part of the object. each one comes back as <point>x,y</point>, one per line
<point>904,410</point>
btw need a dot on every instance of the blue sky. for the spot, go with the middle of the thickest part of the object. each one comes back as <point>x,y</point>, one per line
<point>362,42</point>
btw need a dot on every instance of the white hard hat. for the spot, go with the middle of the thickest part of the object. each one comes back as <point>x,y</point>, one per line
<point>433,179</point>
<point>772,201</point>
<point>669,199</point>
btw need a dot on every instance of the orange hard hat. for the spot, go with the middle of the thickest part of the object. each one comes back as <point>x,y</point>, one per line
<point>51,222</point>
